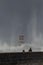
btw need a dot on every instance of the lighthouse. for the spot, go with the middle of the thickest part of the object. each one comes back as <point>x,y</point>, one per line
<point>21,39</point>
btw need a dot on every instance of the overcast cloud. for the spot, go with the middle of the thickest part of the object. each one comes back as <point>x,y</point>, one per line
<point>21,17</point>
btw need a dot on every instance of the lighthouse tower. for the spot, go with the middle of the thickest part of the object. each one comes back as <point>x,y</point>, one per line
<point>21,39</point>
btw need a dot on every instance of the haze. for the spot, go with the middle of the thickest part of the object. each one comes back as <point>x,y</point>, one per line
<point>17,17</point>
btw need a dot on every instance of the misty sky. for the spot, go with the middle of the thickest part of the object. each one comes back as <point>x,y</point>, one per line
<point>21,17</point>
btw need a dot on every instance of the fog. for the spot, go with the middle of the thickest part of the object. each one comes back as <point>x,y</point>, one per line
<point>21,17</point>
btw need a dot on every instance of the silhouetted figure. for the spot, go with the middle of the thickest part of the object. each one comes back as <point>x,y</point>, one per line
<point>23,51</point>
<point>30,55</point>
<point>30,50</point>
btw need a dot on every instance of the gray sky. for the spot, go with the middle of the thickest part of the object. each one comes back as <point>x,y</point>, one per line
<point>21,16</point>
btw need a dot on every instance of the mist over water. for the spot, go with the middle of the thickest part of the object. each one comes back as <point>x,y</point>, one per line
<point>34,41</point>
